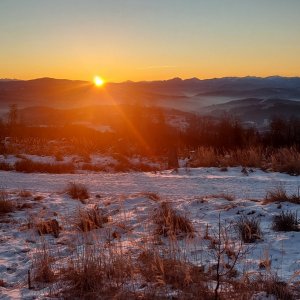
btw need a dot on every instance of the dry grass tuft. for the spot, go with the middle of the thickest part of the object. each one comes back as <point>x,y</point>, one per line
<point>90,218</point>
<point>25,194</point>
<point>42,266</point>
<point>93,274</point>
<point>170,224</point>
<point>286,221</point>
<point>249,229</point>
<point>226,196</point>
<point>178,274</point>
<point>2,283</point>
<point>6,206</point>
<point>77,191</point>
<point>272,285</point>
<point>48,227</point>
<point>279,194</point>
<point>151,196</point>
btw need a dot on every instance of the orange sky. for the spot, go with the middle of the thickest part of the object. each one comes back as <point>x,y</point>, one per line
<point>149,40</point>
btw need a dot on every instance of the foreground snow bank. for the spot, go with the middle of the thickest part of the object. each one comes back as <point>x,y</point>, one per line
<point>202,195</point>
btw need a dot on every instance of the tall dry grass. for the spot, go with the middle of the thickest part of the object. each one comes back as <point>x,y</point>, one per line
<point>286,160</point>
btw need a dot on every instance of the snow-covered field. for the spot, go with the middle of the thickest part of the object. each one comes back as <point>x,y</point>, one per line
<point>199,194</point>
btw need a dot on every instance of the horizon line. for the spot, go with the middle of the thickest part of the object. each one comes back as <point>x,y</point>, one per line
<point>157,80</point>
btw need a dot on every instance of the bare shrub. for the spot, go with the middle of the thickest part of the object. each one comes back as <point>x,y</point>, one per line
<point>170,224</point>
<point>6,206</point>
<point>90,218</point>
<point>29,166</point>
<point>249,229</point>
<point>77,191</point>
<point>286,221</point>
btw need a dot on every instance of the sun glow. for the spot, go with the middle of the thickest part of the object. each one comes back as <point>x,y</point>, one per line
<point>98,81</point>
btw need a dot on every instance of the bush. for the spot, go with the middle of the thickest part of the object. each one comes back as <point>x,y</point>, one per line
<point>77,191</point>
<point>6,206</point>
<point>29,166</point>
<point>286,221</point>
<point>89,219</point>
<point>249,229</point>
<point>170,223</point>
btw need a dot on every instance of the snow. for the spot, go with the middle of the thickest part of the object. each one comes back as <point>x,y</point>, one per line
<point>196,193</point>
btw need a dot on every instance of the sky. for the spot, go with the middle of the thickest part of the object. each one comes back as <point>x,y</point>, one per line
<point>148,39</point>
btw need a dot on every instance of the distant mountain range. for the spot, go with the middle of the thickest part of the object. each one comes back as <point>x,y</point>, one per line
<point>250,98</point>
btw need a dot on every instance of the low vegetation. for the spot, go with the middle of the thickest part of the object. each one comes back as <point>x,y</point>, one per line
<point>170,223</point>
<point>286,221</point>
<point>29,166</point>
<point>279,194</point>
<point>179,274</point>
<point>6,206</point>
<point>90,218</point>
<point>77,191</point>
<point>95,273</point>
<point>48,227</point>
<point>249,229</point>
<point>42,266</point>
<point>4,166</point>
<point>25,194</point>
<point>272,285</point>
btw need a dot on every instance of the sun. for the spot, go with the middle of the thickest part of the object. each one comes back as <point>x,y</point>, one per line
<point>98,81</point>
